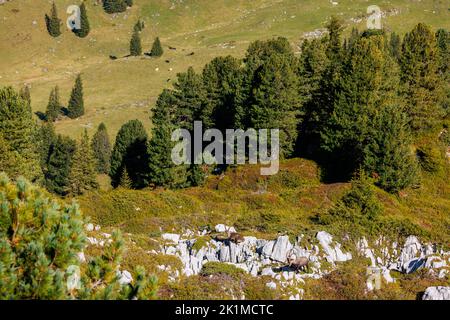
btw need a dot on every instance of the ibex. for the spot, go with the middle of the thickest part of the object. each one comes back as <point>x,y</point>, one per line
<point>300,263</point>
<point>235,237</point>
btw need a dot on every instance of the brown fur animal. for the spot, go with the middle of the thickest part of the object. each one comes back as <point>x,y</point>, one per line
<point>235,237</point>
<point>300,263</point>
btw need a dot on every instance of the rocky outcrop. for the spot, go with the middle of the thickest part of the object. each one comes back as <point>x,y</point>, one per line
<point>437,293</point>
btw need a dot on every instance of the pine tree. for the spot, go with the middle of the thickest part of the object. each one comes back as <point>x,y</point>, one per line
<point>40,239</point>
<point>75,107</point>
<point>395,46</point>
<point>10,161</point>
<point>85,27</point>
<point>129,3</point>
<point>387,153</point>
<point>157,50</point>
<point>135,44</point>
<point>54,105</point>
<point>58,164</point>
<point>162,171</point>
<point>46,138</point>
<point>130,152</point>
<point>26,95</point>
<point>125,181</point>
<point>420,74</point>
<point>139,26</point>
<point>368,82</point>
<point>275,101</point>
<point>82,175</point>
<point>53,23</point>
<point>102,149</point>
<point>19,130</point>
<point>114,6</point>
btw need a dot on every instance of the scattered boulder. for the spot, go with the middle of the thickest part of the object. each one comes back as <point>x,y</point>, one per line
<point>437,293</point>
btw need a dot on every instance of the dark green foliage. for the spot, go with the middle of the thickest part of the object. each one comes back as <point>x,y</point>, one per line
<point>82,175</point>
<point>85,27</point>
<point>420,75</point>
<point>53,23</point>
<point>114,6</point>
<point>129,3</point>
<point>222,79</point>
<point>162,171</point>
<point>46,138</point>
<point>395,46</point>
<point>275,101</point>
<point>101,147</point>
<point>157,50</point>
<point>358,209</point>
<point>387,154</point>
<point>19,130</point>
<point>75,107</point>
<point>139,26</point>
<point>54,106</point>
<point>10,161</point>
<point>368,82</point>
<point>58,165</point>
<point>130,152</point>
<point>135,44</point>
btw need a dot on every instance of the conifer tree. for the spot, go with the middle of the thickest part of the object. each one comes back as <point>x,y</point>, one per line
<point>387,153</point>
<point>85,27</point>
<point>82,175</point>
<point>129,3</point>
<point>46,138</point>
<point>162,171</point>
<point>19,130</point>
<point>101,147</point>
<point>75,107</point>
<point>53,106</point>
<point>26,95</point>
<point>40,254</point>
<point>53,23</point>
<point>420,75</point>
<point>139,26</point>
<point>58,165</point>
<point>157,50</point>
<point>130,152</point>
<point>125,181</point>
<point>135,44</point>
<point>10,161</point>
<point>275,101</point>
<point>395,45</point>
<point>114,6</point>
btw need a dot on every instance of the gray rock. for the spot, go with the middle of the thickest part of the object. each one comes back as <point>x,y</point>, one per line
<point>437,293</point>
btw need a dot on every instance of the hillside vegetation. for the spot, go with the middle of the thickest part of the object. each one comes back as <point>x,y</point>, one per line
<point>120,90</point>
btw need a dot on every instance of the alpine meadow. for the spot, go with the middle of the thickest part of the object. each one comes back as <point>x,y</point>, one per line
<point>224,150</point>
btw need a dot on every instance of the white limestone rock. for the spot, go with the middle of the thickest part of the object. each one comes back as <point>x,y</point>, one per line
<point>172,237</point>
<point>437,293</point>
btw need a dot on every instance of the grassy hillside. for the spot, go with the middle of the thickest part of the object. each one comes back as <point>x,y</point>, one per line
<point>265,206</point>
<point>124,89</point>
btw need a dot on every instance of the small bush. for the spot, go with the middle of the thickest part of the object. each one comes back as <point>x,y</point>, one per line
<point>431,158</point>
<point>216,268</point>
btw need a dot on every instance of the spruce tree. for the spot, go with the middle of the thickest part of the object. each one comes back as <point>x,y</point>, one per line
<point>157,50</point>
<point>101,147</point>
<point>26,95</point>
<point>19,130</point>
<point>139,26</point>
<point>75,107</point>
<point>275,101</point>
<point>114,6</point>
<point>46,138</point>
<point>54,106</point>
<point>53,23</point>
<point>387,153</point>
<point>135,44</point>
<point>395,46</point>
<point>58,165</point>
<point>129,3</point>
<point>82,175</point>
<point>423,90</point>
<point>85,27</point>
<point>162,171</point>
<point>130,152</point>
<point>10,161</point>
<point>125,181</point>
